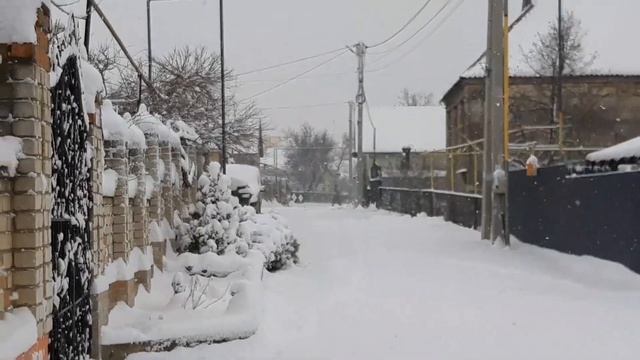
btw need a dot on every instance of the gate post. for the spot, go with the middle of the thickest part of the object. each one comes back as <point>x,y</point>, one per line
<point>25,189</point>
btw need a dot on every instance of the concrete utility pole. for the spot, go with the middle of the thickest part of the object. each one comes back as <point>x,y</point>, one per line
<point>495,169</point>
<point>361,50</point>
<point>87,27</point>
<point>351,107</point>
<point>149,57</point>
<point>559,107</point>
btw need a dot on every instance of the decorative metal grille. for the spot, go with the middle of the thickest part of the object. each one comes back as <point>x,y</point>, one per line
<point>71,212</point>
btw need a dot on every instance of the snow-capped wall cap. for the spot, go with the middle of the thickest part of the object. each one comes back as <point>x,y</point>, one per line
<point>532,160</point>
<point>135,137</point>
<point>91,85</point>
<point>184,131</point>
<point>18,332</point>
<point>11,152</point>
<point>113,125</point>
<point>627,149</point>
<point>150,124</point>
<point>17,19</point>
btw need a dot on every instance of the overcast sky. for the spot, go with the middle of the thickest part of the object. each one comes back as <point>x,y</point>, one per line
<point>264,32</point>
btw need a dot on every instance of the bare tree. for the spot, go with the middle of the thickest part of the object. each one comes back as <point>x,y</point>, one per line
<point>408,98</point>
<point>105,58</point>
<point>189,79</point>
<point>310,156</point>
<point>542,57</point>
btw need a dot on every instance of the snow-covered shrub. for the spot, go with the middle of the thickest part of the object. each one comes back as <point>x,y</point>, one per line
<point>216,221</point>
<point>271,236</point>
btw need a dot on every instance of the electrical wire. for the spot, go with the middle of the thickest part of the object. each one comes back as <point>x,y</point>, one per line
<point>306,58</point>
<point>388,51</point>
<point>417,46</point>
<point>412,19</point>
<point>304,106</point>
<point>293,78</point>
<point>68,13</point>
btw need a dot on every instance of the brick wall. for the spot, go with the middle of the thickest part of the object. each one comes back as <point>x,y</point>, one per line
<point>25,200</point>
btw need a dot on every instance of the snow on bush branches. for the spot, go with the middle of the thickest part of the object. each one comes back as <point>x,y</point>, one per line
<point>221,225</point>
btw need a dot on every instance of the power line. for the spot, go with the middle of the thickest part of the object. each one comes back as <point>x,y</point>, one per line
<point>293,78</point>
<point>304,106</point>
<point>424,6</point>
<point>417,46</point>
<point>388,51</point>
<point>68,13</point>
<point>290,62</point>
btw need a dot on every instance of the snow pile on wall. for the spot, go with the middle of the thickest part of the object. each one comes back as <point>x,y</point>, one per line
<point>120,270</point>
<point>10,153</point>
<point>18,331</point>
<point>113,125</point>
<point>135,136</point>
<point>17,20</point>
<point>193,308</point>
<point>183,130</point>
<point>149,124</point>
<point>109,182</point>
<point>91,83</point>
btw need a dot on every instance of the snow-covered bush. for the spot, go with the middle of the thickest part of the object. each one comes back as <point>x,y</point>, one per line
<point>272,237</point>
<point>216,221</point>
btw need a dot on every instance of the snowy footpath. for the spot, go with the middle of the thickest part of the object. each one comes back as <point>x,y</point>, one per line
<point>378,285</point>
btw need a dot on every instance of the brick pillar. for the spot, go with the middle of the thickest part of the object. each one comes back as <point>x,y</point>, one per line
<point>116,159</point>
<point>151,160</point>
<point>25,200</point>
<point>138,202</point>
<point>100,250</point>
<point>166,186</point>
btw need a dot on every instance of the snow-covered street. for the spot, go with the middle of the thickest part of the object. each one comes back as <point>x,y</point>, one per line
<point>378,285</point>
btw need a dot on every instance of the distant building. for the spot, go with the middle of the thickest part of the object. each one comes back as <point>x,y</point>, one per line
<point>419,128</point>
<point>601,102</point>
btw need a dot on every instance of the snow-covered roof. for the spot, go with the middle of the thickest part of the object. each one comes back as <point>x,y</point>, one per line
<point>423,128</point>
<point>149,124</point>
<point>627,149</point>
<point>17,20</point>
<point>604,24</point>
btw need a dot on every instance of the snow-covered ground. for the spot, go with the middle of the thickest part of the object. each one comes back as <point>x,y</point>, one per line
<point>378,285</point>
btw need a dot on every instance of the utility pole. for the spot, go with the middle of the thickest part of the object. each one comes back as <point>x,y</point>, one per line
<point>87,27</point>
<point>222,92</point>
<point>351,107</point>
<point>149,57</point>
<point>361,50</point>
<point>559,106</point>
<point>495,188</point>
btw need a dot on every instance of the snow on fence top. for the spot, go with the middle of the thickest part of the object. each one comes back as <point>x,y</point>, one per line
<point>596,18</point>
<point>91,83</point>
<point>149,124</point>
<point>17,20</point>
<point>627,149</point>
<point>118,128</point>
<point>11,151</point>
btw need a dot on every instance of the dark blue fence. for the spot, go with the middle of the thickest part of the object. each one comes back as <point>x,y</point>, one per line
<point>593,214</point>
